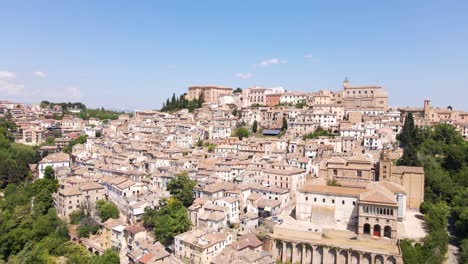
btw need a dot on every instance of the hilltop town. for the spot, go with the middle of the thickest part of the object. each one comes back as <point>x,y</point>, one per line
<point>223,175</point>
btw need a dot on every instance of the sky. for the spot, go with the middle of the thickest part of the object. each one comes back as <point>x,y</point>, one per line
<point>134,54</point>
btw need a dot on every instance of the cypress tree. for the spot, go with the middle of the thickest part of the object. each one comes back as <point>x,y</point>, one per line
<point>284,127</point>
<point>255,126</point>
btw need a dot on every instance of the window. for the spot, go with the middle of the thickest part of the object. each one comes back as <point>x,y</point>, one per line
<point>333,200</point>
<point>342,202</point>
<point>335,172</point>
<point>354,203</point>
<point>307,198</point>
<point>315,199</point>
<point>323,199</point>
<point>359,173</point>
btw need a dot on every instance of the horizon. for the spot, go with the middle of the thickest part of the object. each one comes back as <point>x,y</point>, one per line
<point>133,56</point>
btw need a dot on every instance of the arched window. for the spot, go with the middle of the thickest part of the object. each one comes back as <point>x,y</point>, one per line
<point>388,232</point>
<point>366,229</point>
<point>377,230</point>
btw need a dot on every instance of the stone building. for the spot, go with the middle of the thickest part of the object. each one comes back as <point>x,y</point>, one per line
<point>210,93</point>
<point>364,96</point>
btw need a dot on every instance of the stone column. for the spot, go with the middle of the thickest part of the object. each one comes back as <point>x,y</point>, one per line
<point>315,255</point>
<point>294,252</point>
<point>304,254</point>
<point>285,253</point>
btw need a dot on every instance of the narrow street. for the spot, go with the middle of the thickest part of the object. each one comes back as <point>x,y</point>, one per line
<point>452,254</point>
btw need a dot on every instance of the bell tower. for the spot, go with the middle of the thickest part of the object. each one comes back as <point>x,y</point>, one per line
<point>427,108</point>
<point>346,82</point>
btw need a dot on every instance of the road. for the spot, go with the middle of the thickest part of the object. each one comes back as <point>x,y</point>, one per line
<point>452,253</point>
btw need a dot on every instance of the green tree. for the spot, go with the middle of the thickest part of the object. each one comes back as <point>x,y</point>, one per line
<point>109,257</point>
<point>255,126</point>
<point>408,133</point>
<point>409,157</point>
<point>201,100</point>
<point>107,210</point>
<point>241,132</point>
<point>319,132</point>
<point>77,216</point>
<point>49,173</point>
<point>171,220</point>
<point>284,126</point>
<point>238,90</point>
<point>181,188</point>
<point>333,183</point>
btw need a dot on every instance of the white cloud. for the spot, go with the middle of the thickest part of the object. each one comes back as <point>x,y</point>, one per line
<point>309,56</point>
<point>73,93</point>
<point>273,61</point>
<point>244,76</point>
<point>40,74</point>
<point>12,89</point>
<point>7,75</point>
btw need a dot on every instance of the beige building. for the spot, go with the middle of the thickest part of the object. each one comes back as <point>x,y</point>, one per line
<point>201,246</point>
<point>285,178</point>
<point>210,93</point>
<point>364,96</point>
<point>411,178</point>
<point>358,168</point>
<point>67,201</point>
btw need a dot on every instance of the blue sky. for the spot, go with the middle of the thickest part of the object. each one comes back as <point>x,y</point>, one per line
<point>134,54</point>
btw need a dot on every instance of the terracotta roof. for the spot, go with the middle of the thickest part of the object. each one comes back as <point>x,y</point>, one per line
<point>377,196</point>
<point>336,190</point>
<point>70,191</point>
<point>246,241</point>
<point>134,229</point>
<point>91,186</point>
<point>407,169</point>
<point>55,157</point>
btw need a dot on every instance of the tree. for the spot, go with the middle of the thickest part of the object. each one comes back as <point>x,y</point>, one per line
<point>49,173</point>
<point>201,100</point>
<point>409,157</point>
<point>241,132</point>
<point>255,126</point>
<point>200,143</point>
<point>76,217</point>
<point>107,210</point>
<point>238,90</point>
<point>171,220</point>
<point>333,183</point>
<point>181,188</point>
<point>109,257</point>
<point>319,132</point>
<point>284,126</point>
<point>408,133</point>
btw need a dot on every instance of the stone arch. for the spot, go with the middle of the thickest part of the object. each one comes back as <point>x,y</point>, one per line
<point>343,257</point>
<point>366,229</point>
<point>391,260</point>
<point>318,255</point>
<point>377,230</point>
<point>387,231</point>
<point>332,256</point>
<point>96,253</point>
<point>309,254</point>
<point>379,259</point>
<point>366,259</point>
<point>90,249</point>
<point>289,252</point>
<point>355,258</point>
<point>298,250</point>
<point>279,250</point>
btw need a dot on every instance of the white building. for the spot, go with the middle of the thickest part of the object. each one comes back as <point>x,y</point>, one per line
<point>55,160</point>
